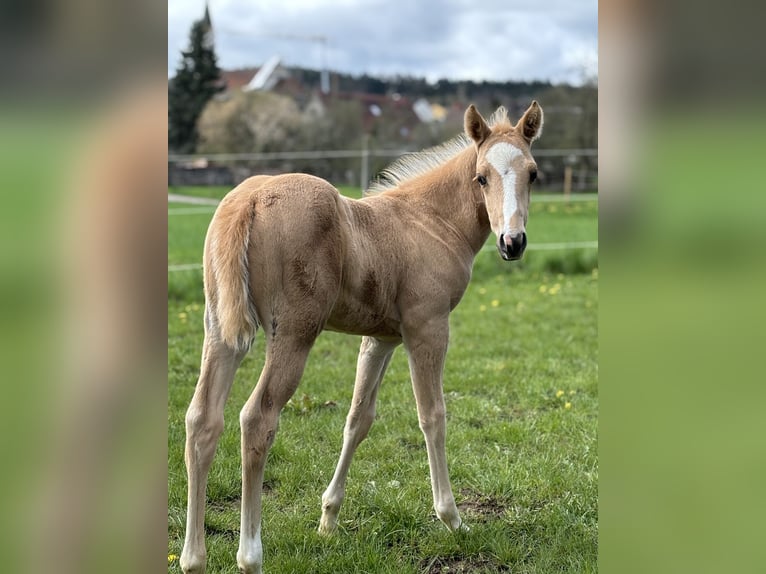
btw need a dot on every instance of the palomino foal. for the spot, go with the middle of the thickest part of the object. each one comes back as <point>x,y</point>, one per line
<point>289,254</point>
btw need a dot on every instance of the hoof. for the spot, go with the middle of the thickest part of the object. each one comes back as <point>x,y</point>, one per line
<point>250,564</point>
<point>192,564</point>
<point>328,525</point>
<point>450,516</point>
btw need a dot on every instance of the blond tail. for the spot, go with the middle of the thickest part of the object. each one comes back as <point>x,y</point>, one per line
<point>227,277</point>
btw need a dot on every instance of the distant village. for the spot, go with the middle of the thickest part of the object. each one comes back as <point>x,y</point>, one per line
<point>260,112</point>
<point>410,101</point>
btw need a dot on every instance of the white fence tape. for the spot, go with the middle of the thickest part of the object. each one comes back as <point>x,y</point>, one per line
<point>210,204</point>
<point>190,210</point>
<point>184,267</point>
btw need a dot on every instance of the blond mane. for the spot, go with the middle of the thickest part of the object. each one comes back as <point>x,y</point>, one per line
<point>413,165</point>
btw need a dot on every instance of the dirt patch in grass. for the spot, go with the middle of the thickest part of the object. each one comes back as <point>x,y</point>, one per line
<point>461,564</point>
<point>480,507</point>
<point>216,528</point>
<point>411,444</point>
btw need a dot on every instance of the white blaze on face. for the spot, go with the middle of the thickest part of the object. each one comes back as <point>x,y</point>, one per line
<point>500,157</point>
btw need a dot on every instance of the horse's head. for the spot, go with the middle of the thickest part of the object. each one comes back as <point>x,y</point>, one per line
<point>505,171</point>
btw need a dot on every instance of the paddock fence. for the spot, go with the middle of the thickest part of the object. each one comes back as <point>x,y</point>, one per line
<point>559,170</point>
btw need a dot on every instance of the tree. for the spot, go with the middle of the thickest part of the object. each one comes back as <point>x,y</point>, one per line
<point>197,80</point>
<point>267,122</point>
<point>250,122</point>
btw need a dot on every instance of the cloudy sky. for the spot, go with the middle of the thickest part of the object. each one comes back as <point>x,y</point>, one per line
<point>458,39</point>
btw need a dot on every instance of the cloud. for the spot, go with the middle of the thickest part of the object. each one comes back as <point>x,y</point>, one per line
<point>490,40</point>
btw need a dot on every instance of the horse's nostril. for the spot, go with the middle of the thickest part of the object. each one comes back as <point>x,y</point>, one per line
<point>519,241</point>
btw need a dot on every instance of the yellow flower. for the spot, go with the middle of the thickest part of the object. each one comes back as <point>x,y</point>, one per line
<point>482,290</point>
<point>182,316</point>
<point>571,392</point>
<point>567,405</point>
<point>543,288</point>
<point>495,303</point>
<point>555,289</point>
<point>483,308</point>
<point>559,393</point>
<point>172,558</point>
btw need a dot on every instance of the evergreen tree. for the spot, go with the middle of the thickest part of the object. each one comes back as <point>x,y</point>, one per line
<point>197,79</point>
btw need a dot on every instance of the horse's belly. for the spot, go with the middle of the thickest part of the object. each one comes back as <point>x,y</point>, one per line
<point>355,319</point>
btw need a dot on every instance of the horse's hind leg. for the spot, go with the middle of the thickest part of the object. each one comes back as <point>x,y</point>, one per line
<point>374,356</point>
<point>259,418</point>
<point>204,425</point>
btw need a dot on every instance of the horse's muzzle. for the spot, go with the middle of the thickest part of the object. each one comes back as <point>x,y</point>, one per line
<point>511,247</point>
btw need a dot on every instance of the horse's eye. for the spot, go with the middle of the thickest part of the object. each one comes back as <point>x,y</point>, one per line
<point>482,180</point>
<point>532,176</point>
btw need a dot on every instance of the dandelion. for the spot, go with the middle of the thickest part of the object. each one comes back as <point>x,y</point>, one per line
<point>567,405</point>
<point>482,290</point>
<point>559,393</point>
<point>182,316</point>
<point>543,289</point>
<point>495,303</point>
<point>555,289</point>
<point>172,558</point>
<point>571,393</point>
<point>482,308</point>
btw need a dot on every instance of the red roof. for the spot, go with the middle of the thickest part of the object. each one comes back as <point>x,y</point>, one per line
<point>238,79</point>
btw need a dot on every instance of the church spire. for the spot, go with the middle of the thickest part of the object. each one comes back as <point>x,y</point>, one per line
<point>206,17</point>
<point>208,24</point>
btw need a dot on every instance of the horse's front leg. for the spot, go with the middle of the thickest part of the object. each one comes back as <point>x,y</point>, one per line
<point>426,343</point>
<point>374,356</point>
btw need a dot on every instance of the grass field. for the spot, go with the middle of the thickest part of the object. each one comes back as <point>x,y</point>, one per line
<point>521,391</point>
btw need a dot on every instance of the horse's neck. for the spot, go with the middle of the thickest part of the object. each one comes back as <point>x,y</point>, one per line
<point>451,195</point>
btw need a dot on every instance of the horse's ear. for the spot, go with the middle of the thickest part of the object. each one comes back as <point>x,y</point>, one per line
<point>531,123</point>
<point>475,126</point>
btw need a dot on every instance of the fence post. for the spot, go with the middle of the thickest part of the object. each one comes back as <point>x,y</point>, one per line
<point>365,176</point>
<point>569,162</point>
<point>567,181</point>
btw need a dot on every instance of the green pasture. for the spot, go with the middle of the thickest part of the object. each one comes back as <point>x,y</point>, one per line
<point>521,391</point>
